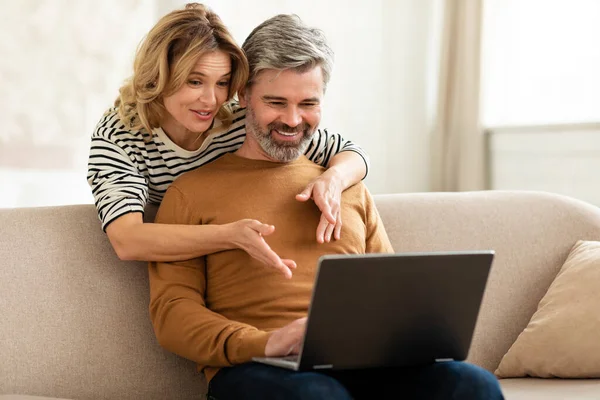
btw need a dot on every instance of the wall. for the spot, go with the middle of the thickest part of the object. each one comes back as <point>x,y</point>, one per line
<point>63,62</point>
<point>561,159</point>
<point>378,92</point>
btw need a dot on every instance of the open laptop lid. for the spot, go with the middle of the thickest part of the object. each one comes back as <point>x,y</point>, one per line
<point>383,310</point>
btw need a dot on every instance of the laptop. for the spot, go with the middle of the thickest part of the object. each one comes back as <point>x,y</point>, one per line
<point>391,310</point>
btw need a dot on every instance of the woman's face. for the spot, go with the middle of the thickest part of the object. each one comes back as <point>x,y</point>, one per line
<point>193,107</point>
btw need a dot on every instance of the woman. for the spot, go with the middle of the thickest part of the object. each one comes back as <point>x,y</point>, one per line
<point>175,114</point>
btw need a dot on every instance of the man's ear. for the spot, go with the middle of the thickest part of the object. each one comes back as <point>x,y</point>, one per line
<point>243,97</point>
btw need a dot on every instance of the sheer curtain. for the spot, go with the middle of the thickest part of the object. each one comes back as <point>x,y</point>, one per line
<point>457,151</point>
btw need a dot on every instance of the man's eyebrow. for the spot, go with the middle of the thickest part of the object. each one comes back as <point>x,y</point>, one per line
<point>277,98</point>
<point>204,75</point>
<point>271,98</point>
<point>311,100</point>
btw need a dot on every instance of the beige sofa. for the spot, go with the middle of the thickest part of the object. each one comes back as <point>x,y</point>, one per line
<point>75,321</point>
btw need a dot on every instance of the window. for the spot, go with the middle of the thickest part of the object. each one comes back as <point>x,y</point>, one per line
<point>541,62</point>
<point>61,66</point>
<point>541,95</point>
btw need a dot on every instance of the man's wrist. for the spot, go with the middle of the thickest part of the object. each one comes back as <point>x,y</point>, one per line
<point>245,344</point>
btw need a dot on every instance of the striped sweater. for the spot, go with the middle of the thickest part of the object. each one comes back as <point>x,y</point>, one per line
<point>125,172</point>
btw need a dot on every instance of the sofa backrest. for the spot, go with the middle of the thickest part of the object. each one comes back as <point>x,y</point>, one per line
<point>531,233</point>
<point>75,320</point>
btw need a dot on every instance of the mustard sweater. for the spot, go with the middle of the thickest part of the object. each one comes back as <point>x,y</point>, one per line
<point>218,310</point>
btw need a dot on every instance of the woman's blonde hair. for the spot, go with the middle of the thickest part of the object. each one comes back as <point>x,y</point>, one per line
<point>167,56</point>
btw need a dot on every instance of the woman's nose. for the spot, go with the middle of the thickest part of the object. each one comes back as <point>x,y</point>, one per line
<point>208,97</point>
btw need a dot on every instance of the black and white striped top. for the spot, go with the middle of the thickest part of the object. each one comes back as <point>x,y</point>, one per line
<point>125,172</point>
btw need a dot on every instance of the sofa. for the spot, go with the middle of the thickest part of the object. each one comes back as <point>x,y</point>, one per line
<point>75,321</point>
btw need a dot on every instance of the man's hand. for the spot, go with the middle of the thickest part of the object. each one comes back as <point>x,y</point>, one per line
<point>326,191</point>
<point>247,234</point>
<point>287,340</point>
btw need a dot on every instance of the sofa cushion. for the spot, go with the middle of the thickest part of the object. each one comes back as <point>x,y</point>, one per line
<point>561,339</point>
<point>550,389</point>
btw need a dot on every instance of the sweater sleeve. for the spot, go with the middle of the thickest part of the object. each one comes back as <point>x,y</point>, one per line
<point>324,146</point>
<point>182,322</point>
<point>114,177</point>
<point>377,238</point>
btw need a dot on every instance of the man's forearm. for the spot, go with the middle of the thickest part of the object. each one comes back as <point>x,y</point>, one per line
<point>184,326</point>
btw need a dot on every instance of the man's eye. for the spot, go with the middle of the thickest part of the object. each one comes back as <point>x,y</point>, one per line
<point>309,105</point>
<point>276,103</point>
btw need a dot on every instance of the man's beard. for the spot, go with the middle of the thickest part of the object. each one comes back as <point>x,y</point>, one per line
<point>280,151</point>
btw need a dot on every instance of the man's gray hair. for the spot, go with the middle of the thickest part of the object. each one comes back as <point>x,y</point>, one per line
<point>285,42</point>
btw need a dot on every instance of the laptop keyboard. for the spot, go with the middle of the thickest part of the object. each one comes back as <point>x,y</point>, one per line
<point>293,358</point>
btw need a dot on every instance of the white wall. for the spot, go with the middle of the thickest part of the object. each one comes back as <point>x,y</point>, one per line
<point>563,160</point>
<point>408,85</point>
<point>377,94</point>
<point>62,64</point>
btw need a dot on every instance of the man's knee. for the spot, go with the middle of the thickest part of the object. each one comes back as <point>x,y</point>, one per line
<point>473,381</point>
<point>315,386</point>
<point>256,381</point>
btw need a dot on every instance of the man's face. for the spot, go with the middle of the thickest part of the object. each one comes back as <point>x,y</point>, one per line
<point>283,111</point>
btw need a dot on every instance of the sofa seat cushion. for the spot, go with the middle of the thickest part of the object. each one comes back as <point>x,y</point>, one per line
<point>550,389</point>
<point>25,397</point>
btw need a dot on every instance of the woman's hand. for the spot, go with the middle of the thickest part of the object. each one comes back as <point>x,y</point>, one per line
<point>326,191</point>
<point>248,235</point>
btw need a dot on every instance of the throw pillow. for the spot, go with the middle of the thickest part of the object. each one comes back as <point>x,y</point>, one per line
<point>562,338</point>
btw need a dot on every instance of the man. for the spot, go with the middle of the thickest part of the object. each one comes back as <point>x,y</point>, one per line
<point>223,309</point>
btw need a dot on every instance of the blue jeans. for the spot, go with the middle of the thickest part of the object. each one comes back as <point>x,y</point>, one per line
<point>446,380</point>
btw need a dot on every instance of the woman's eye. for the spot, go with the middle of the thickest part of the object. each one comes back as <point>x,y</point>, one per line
<point>194,82</point>
<point>224,84</point>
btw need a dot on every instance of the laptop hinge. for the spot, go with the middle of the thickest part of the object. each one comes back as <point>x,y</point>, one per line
<point>323,366</point>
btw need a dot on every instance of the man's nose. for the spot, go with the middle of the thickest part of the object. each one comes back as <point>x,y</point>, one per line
<point>292,116</point>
